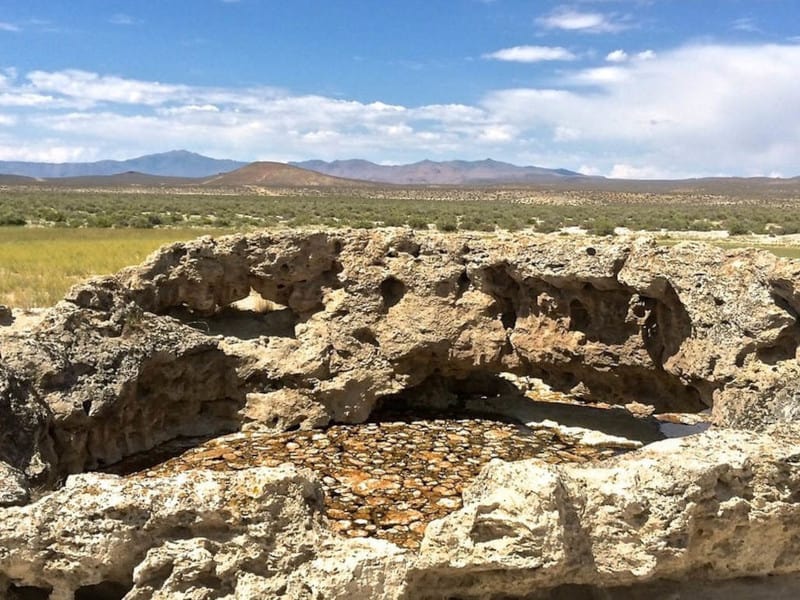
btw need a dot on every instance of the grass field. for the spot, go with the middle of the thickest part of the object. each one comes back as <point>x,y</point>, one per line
<point>38,265</point>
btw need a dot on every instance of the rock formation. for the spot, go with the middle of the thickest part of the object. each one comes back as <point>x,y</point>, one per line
<point>300,329</point>
<point>720,506</point>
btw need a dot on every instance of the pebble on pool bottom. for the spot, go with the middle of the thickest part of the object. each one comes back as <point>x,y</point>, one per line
<point>386,479</point>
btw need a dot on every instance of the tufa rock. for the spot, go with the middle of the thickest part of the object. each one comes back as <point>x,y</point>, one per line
<point>705,507</point>
<point>337,321</point>
<point>716,511</point>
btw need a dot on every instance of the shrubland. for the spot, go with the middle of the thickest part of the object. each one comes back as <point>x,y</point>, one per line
<point>52,238</point>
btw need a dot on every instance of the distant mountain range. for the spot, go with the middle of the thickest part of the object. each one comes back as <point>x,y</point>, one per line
<point>177,163</point>
<point>181,163</point>
<point>427,172</point>
<point>183,168</point>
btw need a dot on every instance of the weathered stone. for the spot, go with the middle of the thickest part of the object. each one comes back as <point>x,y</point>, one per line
<point>375,314</point>
<point>348,320</point>
<point>116,381</point>
<point>161,537</point>
<point>25,442</point>
<point>698,513</point>
<point>14,489</point>
<point>699,508</point>
<point>379,312</point>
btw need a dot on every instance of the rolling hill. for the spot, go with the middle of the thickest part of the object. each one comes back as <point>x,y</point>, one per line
<point>274,174</point>
<point>427,172</point>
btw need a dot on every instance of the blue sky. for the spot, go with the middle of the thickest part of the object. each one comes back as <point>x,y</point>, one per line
<point>627,88</point>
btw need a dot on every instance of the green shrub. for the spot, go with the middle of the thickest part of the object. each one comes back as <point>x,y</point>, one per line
<point>601,226</point>
<point>12,219</point>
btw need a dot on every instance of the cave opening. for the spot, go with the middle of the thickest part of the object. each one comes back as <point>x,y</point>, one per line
<point>105,590</point>
<point>526,402</point>
<point>28,592</point>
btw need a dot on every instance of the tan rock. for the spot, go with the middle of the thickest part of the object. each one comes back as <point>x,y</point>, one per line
<point>697,508</point>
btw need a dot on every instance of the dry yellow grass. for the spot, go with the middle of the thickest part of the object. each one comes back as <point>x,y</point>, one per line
<point>38,265</point>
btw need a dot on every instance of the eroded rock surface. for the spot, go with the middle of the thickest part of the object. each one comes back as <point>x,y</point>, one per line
<point>722,505</point>
<point>704,507</point>
<point>336,323</point>
<point>115,380</point>
<point>376,313</point>
<point>358,317</point>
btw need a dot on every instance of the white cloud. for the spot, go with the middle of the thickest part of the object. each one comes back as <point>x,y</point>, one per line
<point>569,19</point>
<point>625,171</point>
<point>496,133</point>
<point>601,75</point>
<point>189,109</point>
<point>646,55</point>
<point>617,56</point>
<point>747,24</point>
<point>25,99</point>
<point>45,151</point>
<point>531,54</point>
<point>90,88</point>
<point>695,110</point>
<point>5,26</point>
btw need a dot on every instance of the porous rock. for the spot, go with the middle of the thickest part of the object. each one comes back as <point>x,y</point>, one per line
<point>14,488</point>
<point>378,312</point>
<point>161,350</point>
<point>357,318</point>
<point>708,507</point>
<point>720,510</point>
<point>197,530</point>
<point>114,380</point>
<point>26,447</point>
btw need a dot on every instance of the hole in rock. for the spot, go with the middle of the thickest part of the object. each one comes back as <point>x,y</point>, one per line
<point>365,336</point>
<point>462,285</point>
<point>392,291</point>
<point>579,319</point>
<point>28,592</point>
<point>249,318</point>
<point>106,590</point>
<point>786,344</point>
<point>409,463</point>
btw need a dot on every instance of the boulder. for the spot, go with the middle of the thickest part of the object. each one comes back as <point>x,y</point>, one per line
<point>717,506</point>
<point>116,381</point>
<point>282,330</point>
<point>376,313</point>
<point>162,537</point>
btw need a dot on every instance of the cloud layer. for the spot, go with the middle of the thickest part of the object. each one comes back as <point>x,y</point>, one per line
<point>695,110</point>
